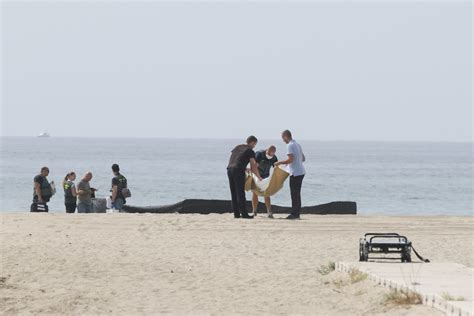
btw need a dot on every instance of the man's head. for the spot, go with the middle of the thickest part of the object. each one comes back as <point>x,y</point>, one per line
<point>45,171</point>
<point>286,136</point>
<point>115,168</point>
<point>271,151</point>
<point>87,176</point>
<point>252,141</point>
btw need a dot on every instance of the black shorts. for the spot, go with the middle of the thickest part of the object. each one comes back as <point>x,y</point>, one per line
<point>70,207</point>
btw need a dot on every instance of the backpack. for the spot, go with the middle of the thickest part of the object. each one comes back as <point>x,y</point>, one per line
<point>123,187</point>
<point>126,193</point>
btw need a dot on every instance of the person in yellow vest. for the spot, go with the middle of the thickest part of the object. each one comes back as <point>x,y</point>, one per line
<point>70,193</point>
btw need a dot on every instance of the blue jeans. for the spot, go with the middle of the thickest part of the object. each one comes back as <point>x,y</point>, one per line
<point>118,204</point>
<point>84,207</point>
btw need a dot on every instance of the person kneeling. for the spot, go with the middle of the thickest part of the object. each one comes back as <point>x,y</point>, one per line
<point>265,160</point>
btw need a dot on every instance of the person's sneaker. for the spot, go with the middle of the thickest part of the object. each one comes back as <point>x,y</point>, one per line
<point>247,216</point>
<point>270,215</point>
<point>236,216</point>
<point>291,216</point>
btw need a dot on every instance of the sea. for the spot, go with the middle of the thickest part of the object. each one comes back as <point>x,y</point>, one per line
<point>386,178</point>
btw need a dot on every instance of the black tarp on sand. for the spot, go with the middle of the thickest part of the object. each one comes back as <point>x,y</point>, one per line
<point>196,206</point>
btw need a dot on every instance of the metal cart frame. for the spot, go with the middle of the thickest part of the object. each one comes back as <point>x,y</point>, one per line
<point>384,243</point>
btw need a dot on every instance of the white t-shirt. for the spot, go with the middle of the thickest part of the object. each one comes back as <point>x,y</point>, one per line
<point>296,168</point>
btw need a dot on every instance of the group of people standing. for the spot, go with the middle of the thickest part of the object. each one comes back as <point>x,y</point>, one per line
<point>79,196</point>
<point>260,165</point>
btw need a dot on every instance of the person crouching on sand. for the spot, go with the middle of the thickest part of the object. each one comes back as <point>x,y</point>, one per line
<point>241,156</point>
<point>265,160</point>
<point>70,194</point>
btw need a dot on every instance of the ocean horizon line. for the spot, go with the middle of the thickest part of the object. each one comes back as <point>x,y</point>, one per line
<point>241,139</point>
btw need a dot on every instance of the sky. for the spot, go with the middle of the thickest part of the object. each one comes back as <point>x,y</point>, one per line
<point>339,70</point>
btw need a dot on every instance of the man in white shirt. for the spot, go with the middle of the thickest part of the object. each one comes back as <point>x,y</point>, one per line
<point>296,169</point>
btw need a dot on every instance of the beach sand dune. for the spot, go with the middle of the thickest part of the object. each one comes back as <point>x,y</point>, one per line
<point>206,264</point>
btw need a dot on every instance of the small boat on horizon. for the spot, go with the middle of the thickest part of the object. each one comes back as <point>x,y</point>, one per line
<point>44,135</point>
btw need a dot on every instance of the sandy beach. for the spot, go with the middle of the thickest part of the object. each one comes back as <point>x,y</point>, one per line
<point>205,264</point>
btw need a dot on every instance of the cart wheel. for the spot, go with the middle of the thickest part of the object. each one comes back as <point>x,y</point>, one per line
<point>363,253</point>
<point>406,256</point>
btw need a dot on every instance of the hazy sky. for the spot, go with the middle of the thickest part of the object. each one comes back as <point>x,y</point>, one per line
<point>327,70</point>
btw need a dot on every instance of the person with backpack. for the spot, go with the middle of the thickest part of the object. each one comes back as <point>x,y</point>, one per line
<point>120,191</point>
<point>70,193</point>
<point>42,191</point>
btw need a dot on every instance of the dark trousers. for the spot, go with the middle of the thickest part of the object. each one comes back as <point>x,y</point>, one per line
<point>237,191</point>
<point>295,190</point>
<point>70,207</point>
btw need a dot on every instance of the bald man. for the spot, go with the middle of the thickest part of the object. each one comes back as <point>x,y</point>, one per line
<point>84,194</point>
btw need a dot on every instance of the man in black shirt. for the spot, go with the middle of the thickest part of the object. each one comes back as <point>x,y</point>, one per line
<point>42,192</point>
<point>119,183</point>
<point>265,160</point>
<point>241,156</point>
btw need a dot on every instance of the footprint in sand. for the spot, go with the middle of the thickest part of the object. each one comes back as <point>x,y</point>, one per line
<point>3,281</point>
<point>142,228</point>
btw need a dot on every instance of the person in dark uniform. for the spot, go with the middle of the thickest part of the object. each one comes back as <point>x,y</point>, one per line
<point>119,183</point>
<point>265,160</point>
<point>70,194</point>
<point>241,156</point>
<point>42,192</point>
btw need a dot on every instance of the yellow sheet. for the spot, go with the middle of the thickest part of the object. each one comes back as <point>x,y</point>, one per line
<point>276,181</point>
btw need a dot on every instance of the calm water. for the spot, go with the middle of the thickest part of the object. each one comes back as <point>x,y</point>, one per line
<point>384,178</point>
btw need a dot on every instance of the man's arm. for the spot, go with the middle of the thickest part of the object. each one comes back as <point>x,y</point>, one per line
<point>287,161</point>
<point>82,191</point>
<point>114,193</point>
<point>38,192</point>
<point>254,168</point>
